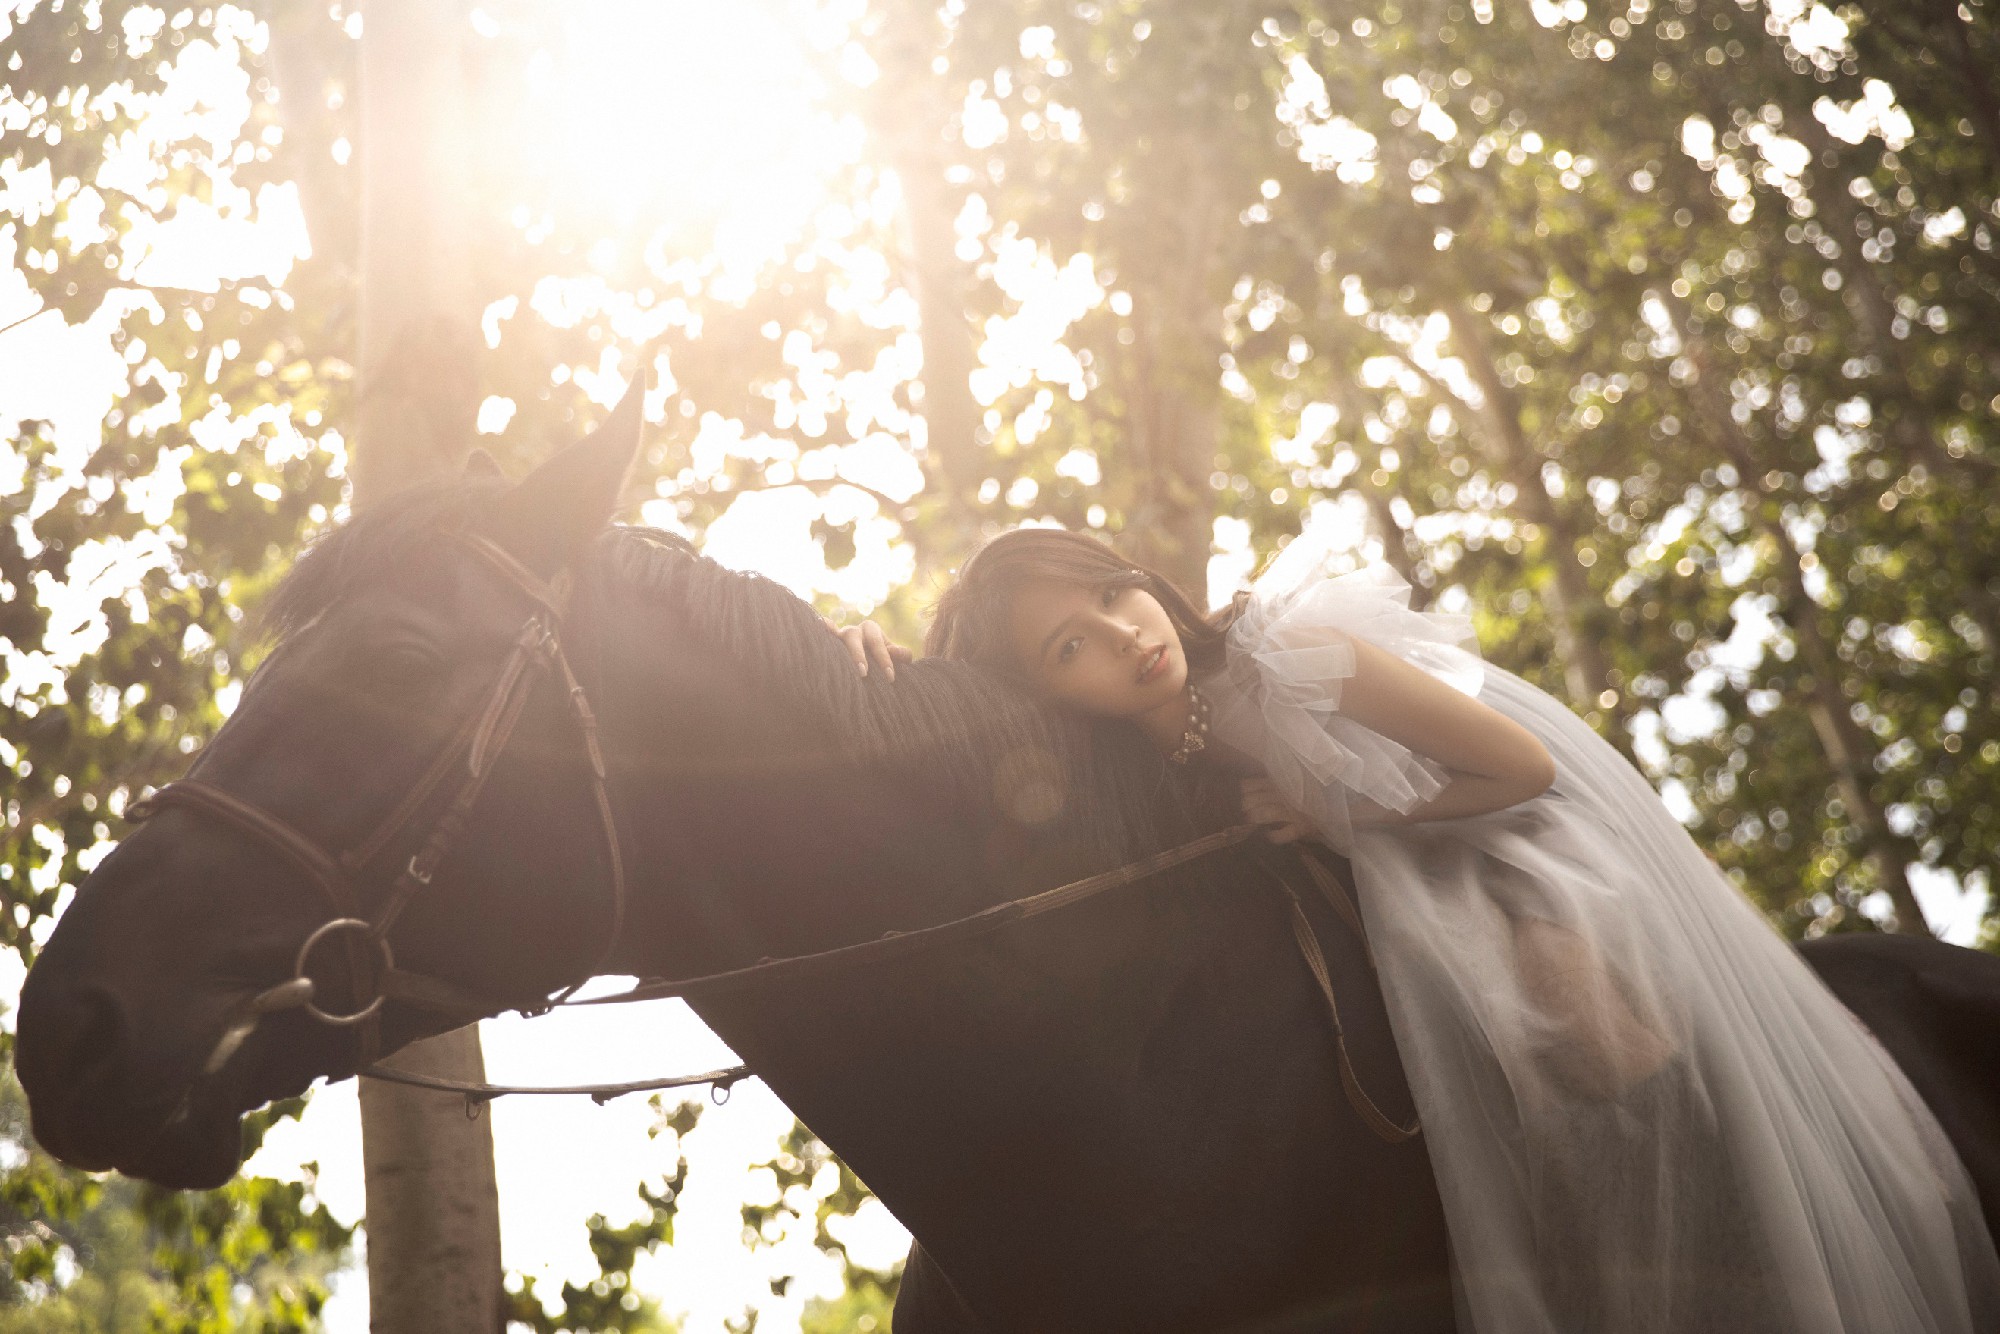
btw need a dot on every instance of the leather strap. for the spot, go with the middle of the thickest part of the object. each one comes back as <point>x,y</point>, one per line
<point>1385,1127</point>
<point>895,944</point>
<point>325,873</point>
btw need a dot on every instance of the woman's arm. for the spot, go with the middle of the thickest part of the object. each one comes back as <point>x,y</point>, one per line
<point>1493,761</point>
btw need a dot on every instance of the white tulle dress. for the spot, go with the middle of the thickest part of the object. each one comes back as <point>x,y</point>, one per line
<point>1645,1113</point>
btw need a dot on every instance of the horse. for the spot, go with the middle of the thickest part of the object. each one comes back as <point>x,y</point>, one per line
<point>1126,1115</point>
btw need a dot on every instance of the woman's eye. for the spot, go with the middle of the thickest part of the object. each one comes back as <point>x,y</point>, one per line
<point>1110,595</point>
<point>1070,648</point>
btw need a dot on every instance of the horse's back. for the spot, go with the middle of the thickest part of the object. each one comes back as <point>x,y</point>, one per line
<point>1936,1007</point>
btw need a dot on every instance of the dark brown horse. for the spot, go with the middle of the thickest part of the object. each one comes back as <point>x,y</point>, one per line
<point>1125,1116</point>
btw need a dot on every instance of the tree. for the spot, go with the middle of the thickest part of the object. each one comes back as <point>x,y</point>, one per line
<point>433,1205</point>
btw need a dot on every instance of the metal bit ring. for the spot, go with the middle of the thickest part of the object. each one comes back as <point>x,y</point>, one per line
<point>305,952</point>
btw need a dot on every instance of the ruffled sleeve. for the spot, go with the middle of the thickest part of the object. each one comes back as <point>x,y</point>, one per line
<point>1278,698</point>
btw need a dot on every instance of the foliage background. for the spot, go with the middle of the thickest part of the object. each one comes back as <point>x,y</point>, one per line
<point>1662,334</point>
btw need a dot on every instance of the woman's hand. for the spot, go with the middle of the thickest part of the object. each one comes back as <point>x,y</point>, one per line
<point>1263,805</point>
<point>866,643</point>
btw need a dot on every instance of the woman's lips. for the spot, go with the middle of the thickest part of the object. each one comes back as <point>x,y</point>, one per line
<point>1154,663</point>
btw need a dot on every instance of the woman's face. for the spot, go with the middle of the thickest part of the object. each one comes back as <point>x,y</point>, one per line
<point>1110,652</point>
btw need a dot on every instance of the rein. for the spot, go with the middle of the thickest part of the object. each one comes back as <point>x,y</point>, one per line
<point>371,963</point>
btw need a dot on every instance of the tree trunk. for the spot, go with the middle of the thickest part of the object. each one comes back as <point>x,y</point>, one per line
<point>912,122</point>
<point>1381,513</point>
<point>952,418</point>
<point>951,414</point>
<point>1175,418</point>
<point>1567,597</point>
<point>419,336</point>
<point>1176,428</point>
<point>433,1208</point>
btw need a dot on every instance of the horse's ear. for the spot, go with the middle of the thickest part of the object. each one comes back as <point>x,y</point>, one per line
<point>547,518</point>
<point>481,466</point>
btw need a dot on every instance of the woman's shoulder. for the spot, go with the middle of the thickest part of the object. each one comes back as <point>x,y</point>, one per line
<point>1300,625</point>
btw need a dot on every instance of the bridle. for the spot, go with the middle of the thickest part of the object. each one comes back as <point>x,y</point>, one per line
<point>470,754</point>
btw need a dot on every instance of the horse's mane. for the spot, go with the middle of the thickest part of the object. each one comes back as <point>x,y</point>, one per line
<point>949,724</point>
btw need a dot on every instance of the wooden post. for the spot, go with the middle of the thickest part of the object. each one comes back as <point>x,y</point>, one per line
<point>433,1209</point>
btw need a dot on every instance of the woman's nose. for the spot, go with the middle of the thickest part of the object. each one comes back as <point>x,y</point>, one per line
<point>1120,629</point>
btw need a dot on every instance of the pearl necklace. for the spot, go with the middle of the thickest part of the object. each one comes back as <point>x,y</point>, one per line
<point>1194,737</point>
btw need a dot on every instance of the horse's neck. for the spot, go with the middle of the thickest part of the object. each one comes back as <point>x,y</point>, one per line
<point>749,833</point>
<point>750,836</point>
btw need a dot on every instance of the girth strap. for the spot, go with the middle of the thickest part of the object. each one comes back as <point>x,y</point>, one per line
<point>1385,1127</point>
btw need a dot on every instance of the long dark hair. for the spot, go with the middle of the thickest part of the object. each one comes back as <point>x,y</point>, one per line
<point>970,624</point>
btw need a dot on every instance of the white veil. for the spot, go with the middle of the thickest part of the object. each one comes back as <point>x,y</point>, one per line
<point>1645,1113</point>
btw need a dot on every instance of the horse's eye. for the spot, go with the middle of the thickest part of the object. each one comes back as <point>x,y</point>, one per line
<point>405,665</point>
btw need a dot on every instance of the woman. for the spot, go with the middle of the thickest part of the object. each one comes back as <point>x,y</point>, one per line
<point>1644,1113</point>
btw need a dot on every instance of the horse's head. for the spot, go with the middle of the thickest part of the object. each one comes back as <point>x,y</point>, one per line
<point>140,1040</point>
